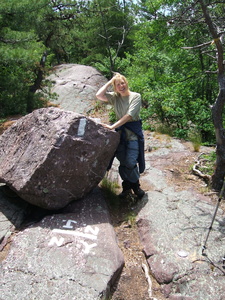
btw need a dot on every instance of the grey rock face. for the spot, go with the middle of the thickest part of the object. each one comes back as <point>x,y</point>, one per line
<point>73,255</point>
<point>51,157</point>
<point>173,226</point>
<point>76,86</point>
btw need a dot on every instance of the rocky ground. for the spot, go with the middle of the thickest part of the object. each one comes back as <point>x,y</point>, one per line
<point>168,155</point>
<point>133,283</point>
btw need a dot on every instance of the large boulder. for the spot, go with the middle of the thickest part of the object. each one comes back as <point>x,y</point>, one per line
<point>52,157</point>
<point>75,86</point>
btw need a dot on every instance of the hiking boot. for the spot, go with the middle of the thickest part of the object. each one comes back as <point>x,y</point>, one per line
<point>137,190</point>
<point>126,189</point>
<point>124,194</point>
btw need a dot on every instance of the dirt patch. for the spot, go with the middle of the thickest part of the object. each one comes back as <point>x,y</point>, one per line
<point>132,283</point>
<point>8,122</point>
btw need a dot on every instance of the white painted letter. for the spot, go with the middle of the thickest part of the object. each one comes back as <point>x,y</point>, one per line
<point>90,229</point>
<point>88,247</point>
<point>68,223</point>
<point>55,240</point>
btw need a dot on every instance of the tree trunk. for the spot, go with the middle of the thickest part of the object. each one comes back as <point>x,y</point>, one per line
<point>37,83</point>
<point>217,114</point>
<point>217,108</point>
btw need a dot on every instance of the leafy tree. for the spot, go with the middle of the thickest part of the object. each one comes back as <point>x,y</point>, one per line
<point>216,29</point>
<point>19,55</point>
<point>169,80</point>
<point>209,15</point>
<point>178,86</point>
<point>38,34</point>
<point>107,32</point>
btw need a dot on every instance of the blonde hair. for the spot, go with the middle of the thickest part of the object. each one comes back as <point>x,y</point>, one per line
<point>118,76</point>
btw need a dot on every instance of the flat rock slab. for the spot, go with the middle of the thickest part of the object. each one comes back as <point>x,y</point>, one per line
<point>173,223</point>
<point>73,255</point>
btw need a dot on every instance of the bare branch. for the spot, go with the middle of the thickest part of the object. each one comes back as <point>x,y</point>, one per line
<point>216,36</point>
<point>198,46</point>
<point>211,72</point>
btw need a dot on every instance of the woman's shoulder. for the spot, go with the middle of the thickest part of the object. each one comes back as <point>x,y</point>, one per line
<point>135,95</point>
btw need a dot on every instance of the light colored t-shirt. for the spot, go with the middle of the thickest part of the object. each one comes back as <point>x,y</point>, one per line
<point>130,105</point>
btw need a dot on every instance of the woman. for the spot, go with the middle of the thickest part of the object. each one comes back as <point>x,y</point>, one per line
<point>130,151</point>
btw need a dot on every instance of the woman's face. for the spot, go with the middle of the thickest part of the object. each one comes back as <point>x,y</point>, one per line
<point>121,87</point>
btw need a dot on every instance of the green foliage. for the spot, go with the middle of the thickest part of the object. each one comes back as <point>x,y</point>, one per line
<point>146,122</point>
<point>103,64</point>
<point>195,137</point>
<point>131,218</point>
<point>20,53</point>
<point>110,189</point>
<point>112,116</point>
<point>2,121</point>
<point>30,28</point>
<point>172,81</point>
<point>164,129</point>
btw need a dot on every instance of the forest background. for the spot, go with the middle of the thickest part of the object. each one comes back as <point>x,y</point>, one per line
<point>163,47</point>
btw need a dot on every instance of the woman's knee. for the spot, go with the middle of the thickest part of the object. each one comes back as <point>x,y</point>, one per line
<point>131,164</point>
<point>132,155</point>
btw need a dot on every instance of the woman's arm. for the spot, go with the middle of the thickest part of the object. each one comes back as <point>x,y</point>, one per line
<point>101,92</point>
<point>126,118</point>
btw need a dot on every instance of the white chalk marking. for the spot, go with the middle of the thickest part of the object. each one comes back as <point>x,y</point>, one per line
<point>81,127</point>
<point>90,229</point>
<point>68,223</point>
<point>76,233</point>
<point>55,240</point>
<point>88,247</point>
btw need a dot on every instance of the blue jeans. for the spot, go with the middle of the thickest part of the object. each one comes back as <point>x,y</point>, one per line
<point>127,155</point>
